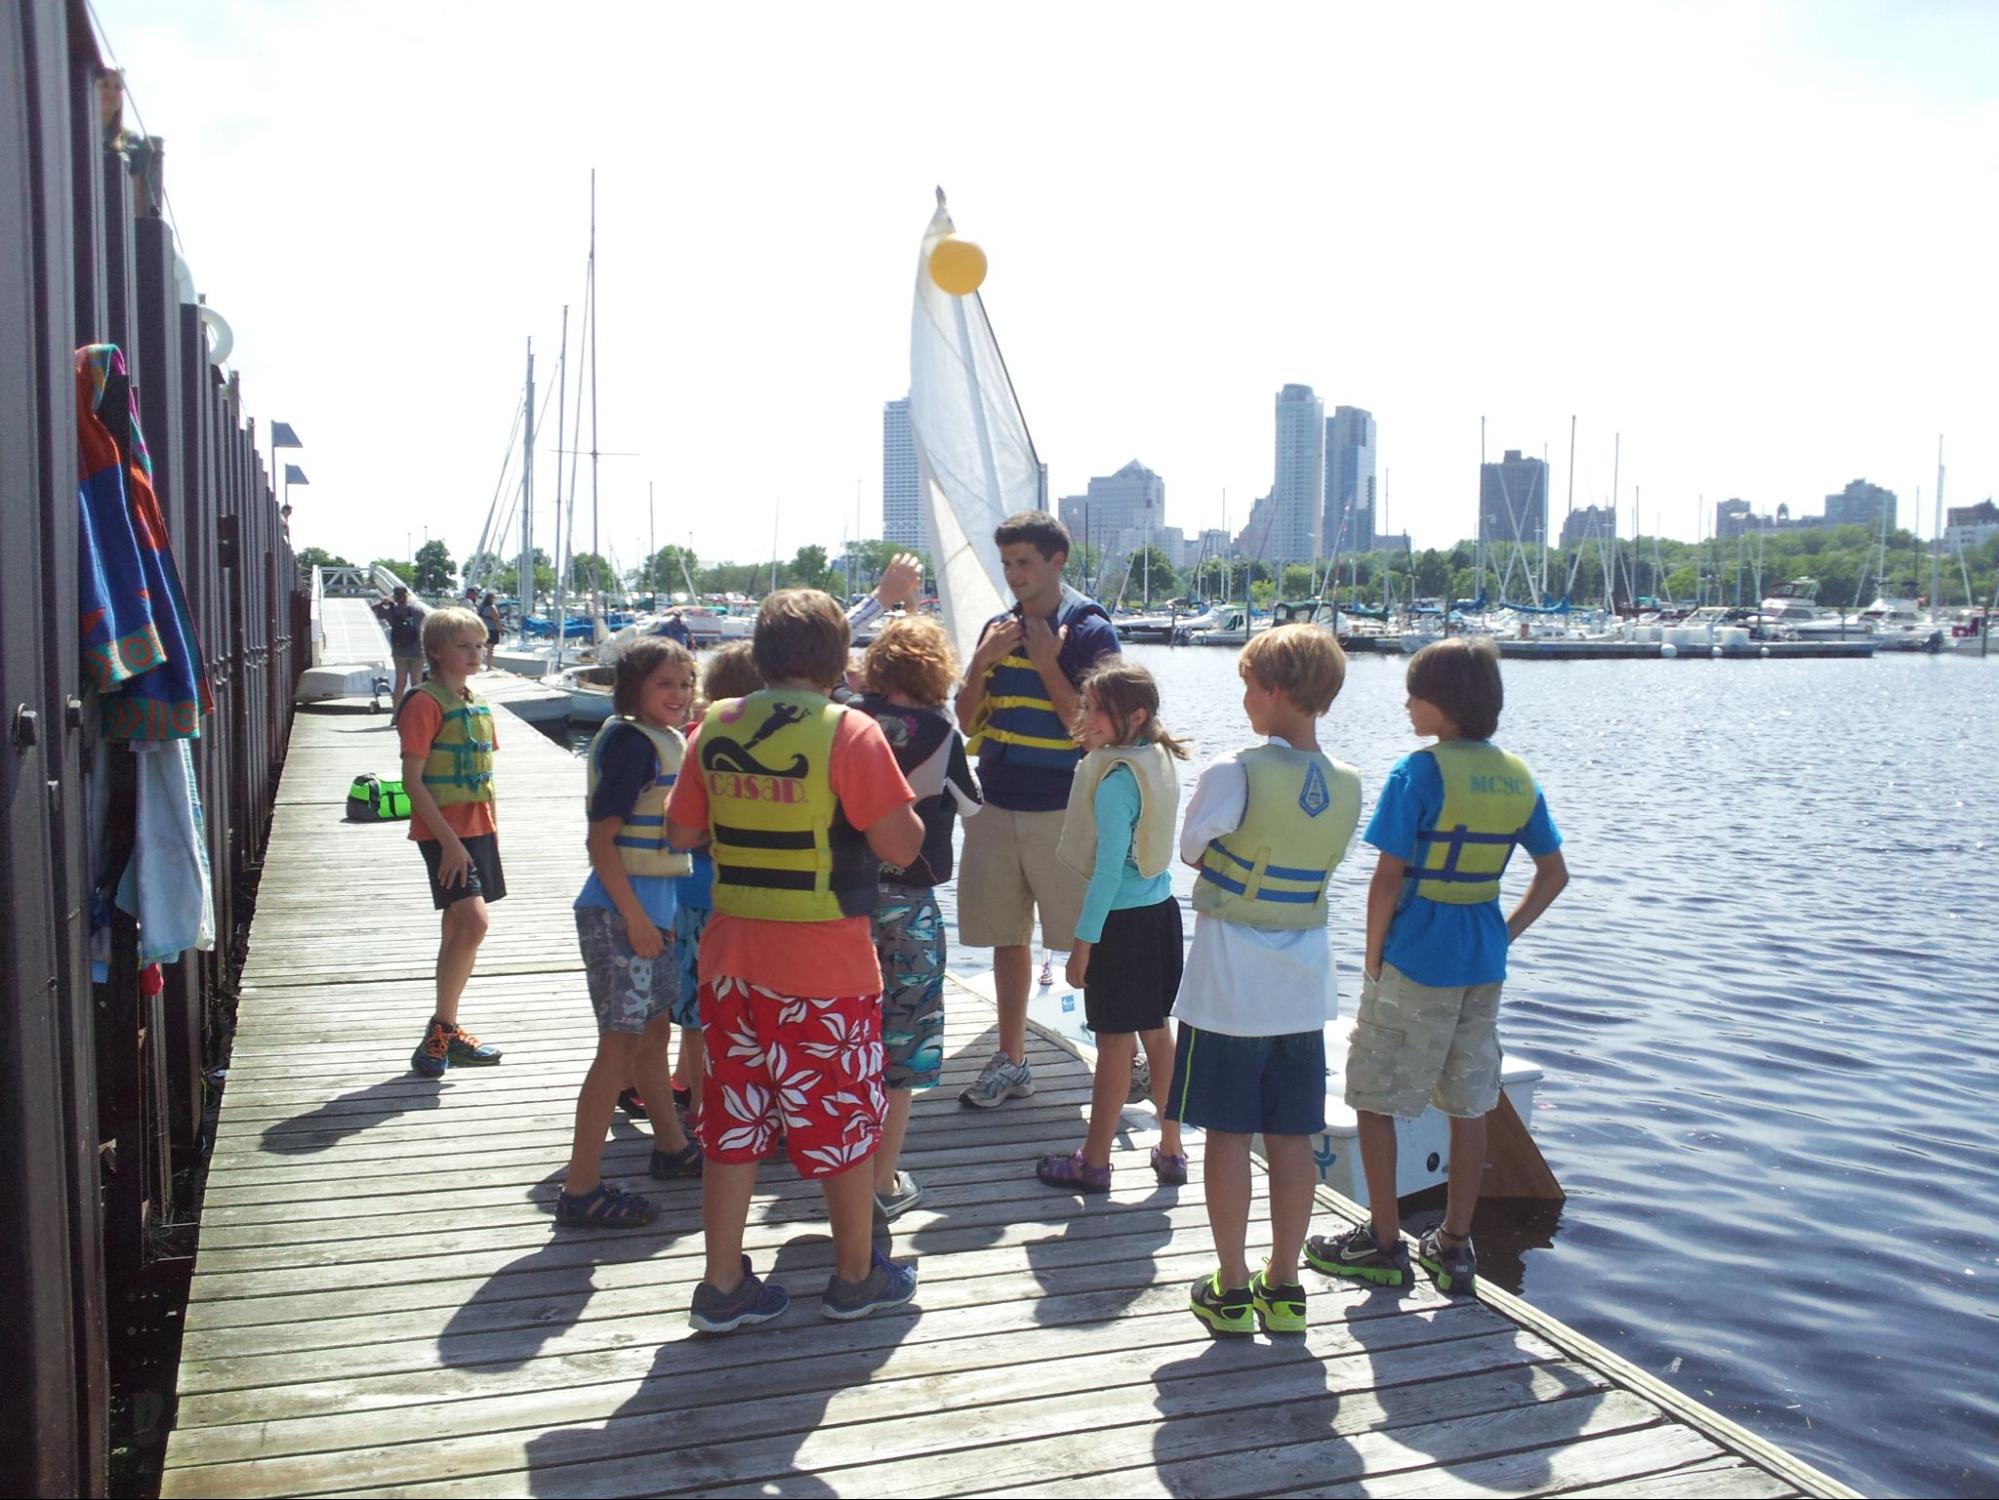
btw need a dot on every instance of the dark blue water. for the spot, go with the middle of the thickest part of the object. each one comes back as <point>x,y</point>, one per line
<point>1766,1007</point>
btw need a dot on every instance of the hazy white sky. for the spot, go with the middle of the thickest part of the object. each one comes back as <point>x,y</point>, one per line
<point>1756,239</point>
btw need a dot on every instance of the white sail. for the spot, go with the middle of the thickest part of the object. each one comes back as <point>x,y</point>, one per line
<point>974,457</point>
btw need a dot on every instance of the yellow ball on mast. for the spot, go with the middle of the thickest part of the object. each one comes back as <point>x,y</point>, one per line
<point>957,266</point>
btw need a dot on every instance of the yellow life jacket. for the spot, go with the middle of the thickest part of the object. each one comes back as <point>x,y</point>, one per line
<point>1158,801</point>
<point>459,768</point>
<point>783,851</point>
<point>1271,870</point>
<point>641,838</point>
<point>1488,797</point>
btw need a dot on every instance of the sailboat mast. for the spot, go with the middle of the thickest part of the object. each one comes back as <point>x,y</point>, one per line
<point>561,442</point>
<point>652,551</point>
<point>525,582</point>
<point>1936,537</point>
<point>596,552</point>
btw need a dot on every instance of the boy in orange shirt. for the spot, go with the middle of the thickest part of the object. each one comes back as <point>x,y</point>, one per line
<point>804,801</point>
<point>448,741</point>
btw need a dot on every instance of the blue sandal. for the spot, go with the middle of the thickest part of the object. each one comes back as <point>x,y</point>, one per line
<point>686,1162</point>
<point>603,1207</point>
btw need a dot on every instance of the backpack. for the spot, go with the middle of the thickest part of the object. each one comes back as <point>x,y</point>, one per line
<point>373,800</point>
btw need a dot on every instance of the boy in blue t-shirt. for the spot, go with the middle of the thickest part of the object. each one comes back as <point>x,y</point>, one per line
<point>1427,1030</point>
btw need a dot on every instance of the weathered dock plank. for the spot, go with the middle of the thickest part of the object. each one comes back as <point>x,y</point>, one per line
<point>378,1269</point>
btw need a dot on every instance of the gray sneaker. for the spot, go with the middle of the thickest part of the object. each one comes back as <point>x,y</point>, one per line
<point>902,1198</point>
<point>999,1080</point>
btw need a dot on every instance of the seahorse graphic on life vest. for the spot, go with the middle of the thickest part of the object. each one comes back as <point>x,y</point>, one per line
<point>721,754</point>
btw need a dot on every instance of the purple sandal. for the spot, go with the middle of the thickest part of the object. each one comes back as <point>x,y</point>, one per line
<point>1170,1170</point>
<point>1069,1170</point>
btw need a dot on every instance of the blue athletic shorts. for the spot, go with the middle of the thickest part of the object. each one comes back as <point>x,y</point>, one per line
<point>1243,1084</point>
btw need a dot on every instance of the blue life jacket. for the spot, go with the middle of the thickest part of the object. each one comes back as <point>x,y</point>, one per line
<point>1020,724</point>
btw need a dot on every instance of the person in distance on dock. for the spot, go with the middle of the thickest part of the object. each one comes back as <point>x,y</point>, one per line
<point>805,804</point>
<point>448,744</point>
<point>1265,828</point>
<point>624,924</point>
<point>1017,704</point>
<point>906,679</point>
<point>1118,829</point>
<point>1427,1032</point>
<point>405,623</point>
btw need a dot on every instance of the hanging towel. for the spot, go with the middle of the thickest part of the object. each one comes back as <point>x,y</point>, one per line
<point>166,884</point>
<point>138,636</point>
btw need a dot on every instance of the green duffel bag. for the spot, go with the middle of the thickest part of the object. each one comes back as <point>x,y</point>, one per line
<point>372,800</point>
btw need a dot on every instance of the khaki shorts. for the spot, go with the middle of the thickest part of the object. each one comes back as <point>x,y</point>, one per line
<point>1414,1046</point>
<point>1009,869</point>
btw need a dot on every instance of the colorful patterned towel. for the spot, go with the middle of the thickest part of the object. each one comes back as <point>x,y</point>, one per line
<point>139,644</point>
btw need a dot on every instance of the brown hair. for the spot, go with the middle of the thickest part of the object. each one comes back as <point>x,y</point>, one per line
<point>730,673</point>
<point>912,656</point>
<point>440,625</point>
<point>636,665</point>
<point>1121,689</point>
<point>1459,675</point>
<point>801,636</point>
<point>1048,535</point>
<point>1302,662</point>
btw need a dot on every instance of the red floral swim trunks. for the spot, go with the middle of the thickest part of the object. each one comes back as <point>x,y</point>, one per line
<point>813,1066</point>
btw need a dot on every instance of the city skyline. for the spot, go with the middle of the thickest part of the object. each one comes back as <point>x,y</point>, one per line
<point>1153,276</point>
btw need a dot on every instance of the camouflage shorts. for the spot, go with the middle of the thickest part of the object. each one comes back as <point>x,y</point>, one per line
<point>1414,1045</point>
<point>626,991</point>
<point>909,941</point>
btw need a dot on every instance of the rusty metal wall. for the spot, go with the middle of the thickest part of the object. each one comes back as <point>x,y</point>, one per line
<point>102,1088</point>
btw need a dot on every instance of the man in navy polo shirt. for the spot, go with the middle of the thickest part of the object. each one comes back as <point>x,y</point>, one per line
<point>1018,701</point>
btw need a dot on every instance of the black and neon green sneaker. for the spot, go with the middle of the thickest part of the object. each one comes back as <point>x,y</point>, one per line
<point>1358,1256</point>
<point>1280,1305</point>
<point>1450,1260</point>
<point>1227,1311</point>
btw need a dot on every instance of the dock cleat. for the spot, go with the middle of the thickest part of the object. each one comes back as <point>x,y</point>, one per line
<point>1450,1260</point>
<point>1357,1256</point>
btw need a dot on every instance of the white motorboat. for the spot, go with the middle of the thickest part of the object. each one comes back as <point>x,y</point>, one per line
<point>1899,625</point>
<point>1793,612</point>
<point>589,688</point>
<point>1236,626</point>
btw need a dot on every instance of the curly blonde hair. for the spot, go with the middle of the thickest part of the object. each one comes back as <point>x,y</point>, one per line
<point>913,657</point>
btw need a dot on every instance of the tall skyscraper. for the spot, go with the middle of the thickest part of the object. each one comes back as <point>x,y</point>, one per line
<point>1590,524</point>
<point>1299,490</point>
<point>1513,501</point>
<point>1349,523</point>
<point>903,520</point>
<point>1861,504</point>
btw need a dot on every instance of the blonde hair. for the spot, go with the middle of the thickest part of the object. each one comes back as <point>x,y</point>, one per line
<point>912,656</point>
<point>1122,688</point>
<point>440,625</point>
<point>1302,662</point>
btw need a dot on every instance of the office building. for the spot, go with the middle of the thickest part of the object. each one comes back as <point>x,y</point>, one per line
<point>904,521</point>
<point>1298,493</point>
<point>1118,512</point>
<point>1513,501</point>
<point>1733,518</point>
<point>1593,523</point>
<point>1861,504</point>
<point>1252,543</point>
<point>1349,520</point>
<point>1968,526</point>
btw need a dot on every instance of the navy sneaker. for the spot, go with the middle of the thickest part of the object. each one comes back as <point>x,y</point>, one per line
<point>887,1284</point>
<point>433,1053</point>
<point>467,1051</point>
<point>753,1301</point>
<point>1358,1256</point>
<point>1449,1259</point>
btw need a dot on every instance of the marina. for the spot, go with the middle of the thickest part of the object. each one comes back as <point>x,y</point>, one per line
<point>346,1303</point>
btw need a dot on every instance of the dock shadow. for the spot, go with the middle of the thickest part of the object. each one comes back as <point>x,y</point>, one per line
<point>328,1124</point>
<point>1245,1387</point>
<point>731,1410</point>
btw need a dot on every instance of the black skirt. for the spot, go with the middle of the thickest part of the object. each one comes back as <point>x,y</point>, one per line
<point>1134,971</point>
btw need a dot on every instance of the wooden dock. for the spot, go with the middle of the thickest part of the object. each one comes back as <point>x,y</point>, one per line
<point>381,1303</point>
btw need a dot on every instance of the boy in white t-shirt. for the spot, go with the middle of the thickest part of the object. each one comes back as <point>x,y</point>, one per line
<point>1265,828</point>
